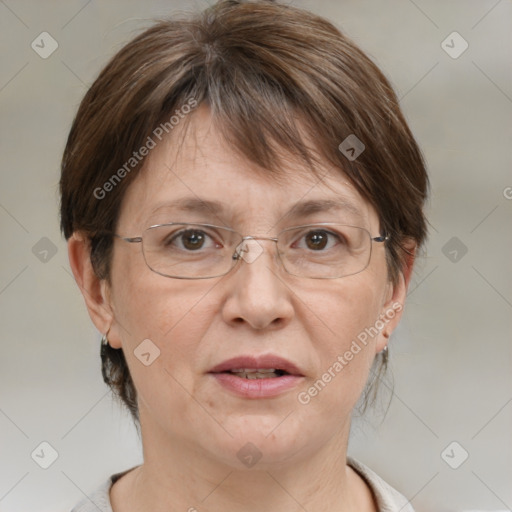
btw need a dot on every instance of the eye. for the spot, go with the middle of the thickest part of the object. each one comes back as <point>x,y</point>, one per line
<point>319,240</point>
<point>191,240</point>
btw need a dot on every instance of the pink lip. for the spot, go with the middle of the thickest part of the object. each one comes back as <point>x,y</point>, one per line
<point>257,388</point>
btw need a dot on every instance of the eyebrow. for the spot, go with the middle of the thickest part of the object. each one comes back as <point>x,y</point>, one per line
<point>305,208</point>
<point>299,209</point>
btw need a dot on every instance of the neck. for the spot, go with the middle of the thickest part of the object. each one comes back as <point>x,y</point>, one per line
<point>176,476</point>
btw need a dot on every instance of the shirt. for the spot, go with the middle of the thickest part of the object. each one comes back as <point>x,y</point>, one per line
<point>388,499</point>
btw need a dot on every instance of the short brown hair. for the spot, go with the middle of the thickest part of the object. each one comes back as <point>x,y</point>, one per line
<point>261,67</point>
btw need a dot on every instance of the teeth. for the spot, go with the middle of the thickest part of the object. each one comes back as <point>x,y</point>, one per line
<point>257,375</point>
<point>250,373</point>
<point>252,370</point>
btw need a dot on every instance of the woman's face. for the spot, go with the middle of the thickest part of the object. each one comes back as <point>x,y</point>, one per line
<point>256,310</point>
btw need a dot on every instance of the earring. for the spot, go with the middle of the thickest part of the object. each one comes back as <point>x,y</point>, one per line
<point>385,355</point>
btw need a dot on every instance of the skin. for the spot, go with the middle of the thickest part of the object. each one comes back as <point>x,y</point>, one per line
<point>191,427</point>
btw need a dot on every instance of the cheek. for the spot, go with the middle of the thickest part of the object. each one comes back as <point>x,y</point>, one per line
<point>173,314</point>
<point>343,310</point>
<point>340,324</point>
<point>152,306</point>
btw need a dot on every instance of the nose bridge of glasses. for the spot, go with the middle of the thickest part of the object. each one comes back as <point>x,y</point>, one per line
<point>249,249</point>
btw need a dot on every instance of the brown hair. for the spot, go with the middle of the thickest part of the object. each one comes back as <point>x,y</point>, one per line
<point>261,67</point>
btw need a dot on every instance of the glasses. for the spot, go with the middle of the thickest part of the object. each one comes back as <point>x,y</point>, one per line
<point>203,251</point>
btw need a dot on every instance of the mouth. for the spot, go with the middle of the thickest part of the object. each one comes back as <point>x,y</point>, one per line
<point>259,373</point>
<point>267,366</point>
<point>257,376</point>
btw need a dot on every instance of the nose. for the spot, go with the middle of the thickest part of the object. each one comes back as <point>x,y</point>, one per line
<point>256,294</point>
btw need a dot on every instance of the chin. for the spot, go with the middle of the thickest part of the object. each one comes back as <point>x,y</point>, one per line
<point>262,442</point>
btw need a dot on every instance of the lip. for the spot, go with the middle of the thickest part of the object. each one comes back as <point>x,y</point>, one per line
<point>257,388</point>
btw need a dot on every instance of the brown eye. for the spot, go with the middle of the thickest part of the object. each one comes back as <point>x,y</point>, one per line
<point>187,240</point>
<point>317,240</point>
<point>192,239</point>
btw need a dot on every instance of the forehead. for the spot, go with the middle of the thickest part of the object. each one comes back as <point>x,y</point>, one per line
<point>193,173</point>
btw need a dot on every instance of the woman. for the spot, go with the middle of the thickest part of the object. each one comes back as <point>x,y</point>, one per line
<point>243,200</point>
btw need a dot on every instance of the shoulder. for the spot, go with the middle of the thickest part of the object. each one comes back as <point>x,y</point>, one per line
<point>99,499</point>
<point>388,499</point>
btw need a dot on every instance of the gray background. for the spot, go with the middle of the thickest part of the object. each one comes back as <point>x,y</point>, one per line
<point>451,356</point>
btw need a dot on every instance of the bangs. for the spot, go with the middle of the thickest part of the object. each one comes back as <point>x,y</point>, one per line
<point>260,121</point>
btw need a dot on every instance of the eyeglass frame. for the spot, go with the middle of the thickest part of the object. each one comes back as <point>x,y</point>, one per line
<point>236,254</point>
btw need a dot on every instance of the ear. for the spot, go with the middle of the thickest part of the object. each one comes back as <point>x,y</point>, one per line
<point>94,290</point>
<point>394,302</point>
